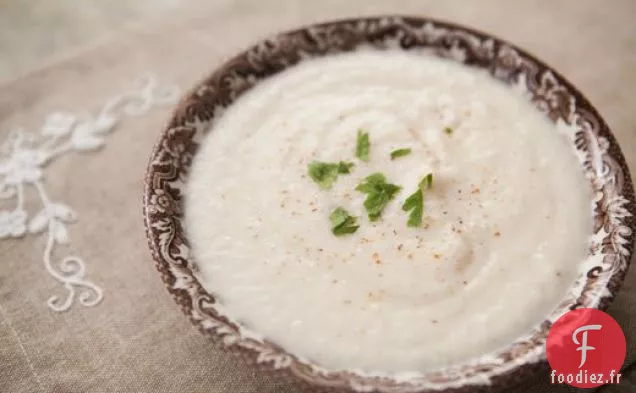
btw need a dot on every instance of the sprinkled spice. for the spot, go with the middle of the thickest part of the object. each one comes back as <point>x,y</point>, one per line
<point>376,258</point>
<point>375,296</point>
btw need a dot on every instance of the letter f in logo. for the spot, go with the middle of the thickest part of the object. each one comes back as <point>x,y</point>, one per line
<point>584,347</point>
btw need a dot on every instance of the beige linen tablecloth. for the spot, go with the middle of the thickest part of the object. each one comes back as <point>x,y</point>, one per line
<point>136,339</point>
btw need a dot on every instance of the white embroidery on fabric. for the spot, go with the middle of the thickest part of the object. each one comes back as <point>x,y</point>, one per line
<point>23,159</point>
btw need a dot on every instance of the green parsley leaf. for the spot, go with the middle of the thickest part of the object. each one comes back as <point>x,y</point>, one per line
<point>325,173</point>
<point>400,153</point>
<point>448,130</point>
<point>338,217</point>
<point>362,146</point>
<point>342,223</point>
<point>345,167</point>
<point>427,181</point>
<point>370,182</point>
<point>415,202</point>
<point>379,194</point>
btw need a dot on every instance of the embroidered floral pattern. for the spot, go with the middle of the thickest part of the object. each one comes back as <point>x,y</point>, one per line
<point>23,160</point>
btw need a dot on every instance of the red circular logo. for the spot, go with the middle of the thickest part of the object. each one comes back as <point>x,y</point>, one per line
<point>585,348</point>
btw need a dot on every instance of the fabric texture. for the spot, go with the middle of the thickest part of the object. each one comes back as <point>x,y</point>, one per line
<point>136,339</point>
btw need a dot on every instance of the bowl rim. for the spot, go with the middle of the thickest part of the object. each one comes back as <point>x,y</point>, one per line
<point>172,155</point>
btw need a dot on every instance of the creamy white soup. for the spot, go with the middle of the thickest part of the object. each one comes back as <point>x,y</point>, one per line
<point>503,226</point>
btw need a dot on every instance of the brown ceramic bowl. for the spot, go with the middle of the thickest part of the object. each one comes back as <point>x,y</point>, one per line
<point>601,159</point>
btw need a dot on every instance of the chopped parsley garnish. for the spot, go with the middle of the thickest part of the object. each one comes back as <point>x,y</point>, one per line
<point>342,223</point>
<point>448,130</point>
<point>400,153</point>
<point>344,168</point>
<point>415,202</point>
<point>326,173</point>
<point>427,182</point>
<point>379,193</point>
<point>362,146</point>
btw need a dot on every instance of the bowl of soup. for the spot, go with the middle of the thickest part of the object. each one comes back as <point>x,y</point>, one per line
<point>390,204</point>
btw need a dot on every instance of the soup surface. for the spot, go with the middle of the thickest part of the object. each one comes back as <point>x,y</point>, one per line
<point>504,223</point>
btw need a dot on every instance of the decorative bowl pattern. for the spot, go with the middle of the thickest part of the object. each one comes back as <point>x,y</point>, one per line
<point>602,273</point>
